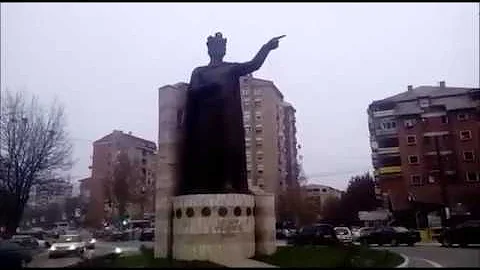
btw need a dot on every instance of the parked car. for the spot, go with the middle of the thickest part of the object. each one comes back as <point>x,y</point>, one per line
<point>25,241</point>
<point>147,234</point>
<point>356,233</point>
<point>344,234</point>
<point>318,234</point>
<point>118,235</point>
<point>390,235</point>
<point>13,255</point>
<point>463,234</point>
<point>68,245</point>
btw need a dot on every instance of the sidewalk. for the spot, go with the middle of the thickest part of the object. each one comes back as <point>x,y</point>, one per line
<point>242,263</point>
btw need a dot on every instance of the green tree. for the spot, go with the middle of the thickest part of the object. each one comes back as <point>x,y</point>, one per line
<point>359,196</point>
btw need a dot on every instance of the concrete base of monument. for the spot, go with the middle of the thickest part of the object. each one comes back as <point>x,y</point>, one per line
<point>206,226</point>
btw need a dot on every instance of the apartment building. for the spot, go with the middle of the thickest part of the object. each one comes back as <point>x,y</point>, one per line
<point>54,191</point>
<point>106,150</point>
<point>425,146</point>
<point>270,135</point>
<point>322,192</point>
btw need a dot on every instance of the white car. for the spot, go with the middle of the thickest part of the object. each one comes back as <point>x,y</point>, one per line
<point>344,234</point>
<point>68,244</point>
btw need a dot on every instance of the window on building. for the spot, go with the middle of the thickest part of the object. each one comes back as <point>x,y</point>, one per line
<point>473,176</point>
<point>416,180</point>
<point>427,140</point>
<point>432,178</point>
<point>389,125</point>
<point>179,118</point>
<point>411,139</point>
<point>260,172</point>
<point>324,190</point>
<point>424,102</point>
<point>257,92</point>
<point>444,119</point>
<point>246,117</point>
<point>468,156</point>
<point>258,129</point>
<point>144,161</point>
<point>409,123</point>
<point>257,104</point>
<point>465,135</point>
<point>248,129</point>
<point>246,103</point>
<point>245,92</point>
<point>413,159</point>
<point>462,116</point>
<point>258,117</point>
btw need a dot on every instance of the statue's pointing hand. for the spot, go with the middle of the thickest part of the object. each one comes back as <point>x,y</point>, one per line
<point>273,43</point>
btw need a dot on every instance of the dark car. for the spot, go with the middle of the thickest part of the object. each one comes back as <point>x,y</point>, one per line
<point>13,255</point>
<point>318,234</point>
<point>390,235</point>
<point>26,241</point>
<point>147,234</point>
<point>463,234</point>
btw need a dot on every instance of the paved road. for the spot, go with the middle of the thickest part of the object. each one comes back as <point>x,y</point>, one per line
<point>427,255</point>
<point>42,260</point>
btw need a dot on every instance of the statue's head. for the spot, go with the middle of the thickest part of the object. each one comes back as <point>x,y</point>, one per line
<point>217,46</point>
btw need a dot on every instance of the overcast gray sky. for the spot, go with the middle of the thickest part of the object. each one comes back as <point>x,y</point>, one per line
<point>105,62</point>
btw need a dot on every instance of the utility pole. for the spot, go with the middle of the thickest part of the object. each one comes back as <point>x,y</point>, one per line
<point>443,185</point>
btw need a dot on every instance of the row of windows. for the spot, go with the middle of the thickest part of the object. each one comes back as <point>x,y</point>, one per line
<point>257,144</point>
<point>418,180</point>
<point>257,103</point>
<point>246,117</point>
<point>464,135</point>
<point>410,123</point>
<point>258,129</point>
<point>467,156</point>
<point>256,92</point>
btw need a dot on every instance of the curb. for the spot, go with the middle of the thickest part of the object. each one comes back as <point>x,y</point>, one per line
<point>405,262</point>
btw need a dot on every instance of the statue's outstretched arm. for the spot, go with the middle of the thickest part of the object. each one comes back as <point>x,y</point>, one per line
<point>250,66</point>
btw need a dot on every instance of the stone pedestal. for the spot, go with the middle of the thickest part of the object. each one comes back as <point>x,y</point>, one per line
<point>171,103</point>
<point>206,226</point>
<point>265,233</point>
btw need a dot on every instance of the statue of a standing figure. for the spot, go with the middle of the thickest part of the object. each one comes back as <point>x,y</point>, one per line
<point>213,156</point>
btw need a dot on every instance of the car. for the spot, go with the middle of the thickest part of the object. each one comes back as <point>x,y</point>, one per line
<point>317,234</point>
<point>13,255</point>
<point>147,234</point>
<point>356,233</point>
<point>390,235</point>
<point>25,241</point>
<point>344,234</point>
<point>68,245</point>
<point>463,234</point>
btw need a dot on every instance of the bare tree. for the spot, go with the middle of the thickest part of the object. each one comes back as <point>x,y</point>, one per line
<point>34,148</point>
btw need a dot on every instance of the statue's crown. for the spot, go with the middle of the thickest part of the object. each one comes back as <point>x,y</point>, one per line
<point>216,40</point>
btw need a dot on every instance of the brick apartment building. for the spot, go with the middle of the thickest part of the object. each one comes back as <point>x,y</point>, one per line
<point>141,153</point>
<point>422,139</point>
<point>270,135</point>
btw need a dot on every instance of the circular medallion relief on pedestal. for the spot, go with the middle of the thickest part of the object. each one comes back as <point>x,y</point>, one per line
<point>249,211</point>
<point>178,213</point>
<point>206,211</point>
<point>190,212</point>
<point>222,211</point>
<point>237,211</point>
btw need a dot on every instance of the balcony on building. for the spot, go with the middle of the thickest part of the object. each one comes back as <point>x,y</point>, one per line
<point>445,142</point>
<point>383,113</point>
<point>388,165</point>
<point>387,146</point>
